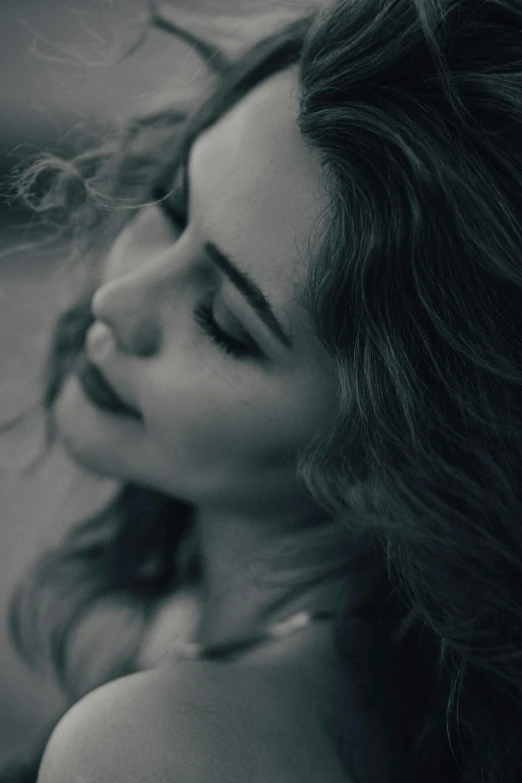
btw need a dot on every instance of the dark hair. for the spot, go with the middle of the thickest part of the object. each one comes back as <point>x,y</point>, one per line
<point>414,107</point>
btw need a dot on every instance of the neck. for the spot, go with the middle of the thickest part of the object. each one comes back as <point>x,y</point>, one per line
<point>259,570</point>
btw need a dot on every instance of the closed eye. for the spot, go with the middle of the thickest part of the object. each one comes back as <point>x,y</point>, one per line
<point>230,345</point>
<point>203,314</point>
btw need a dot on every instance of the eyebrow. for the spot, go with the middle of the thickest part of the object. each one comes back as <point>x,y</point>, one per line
<point>250,290</point>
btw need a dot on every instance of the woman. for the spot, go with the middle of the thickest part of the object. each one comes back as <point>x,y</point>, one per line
<point>299,351</point>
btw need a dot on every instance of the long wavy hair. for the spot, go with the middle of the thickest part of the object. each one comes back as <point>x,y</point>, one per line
<point>415,290</point>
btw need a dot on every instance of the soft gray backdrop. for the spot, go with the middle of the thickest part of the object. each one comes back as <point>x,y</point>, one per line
<point>47,100</point>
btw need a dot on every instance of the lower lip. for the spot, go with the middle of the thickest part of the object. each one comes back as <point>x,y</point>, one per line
<point>100,393</point>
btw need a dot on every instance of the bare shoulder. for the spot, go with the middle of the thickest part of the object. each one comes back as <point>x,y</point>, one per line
<point>197,722</point>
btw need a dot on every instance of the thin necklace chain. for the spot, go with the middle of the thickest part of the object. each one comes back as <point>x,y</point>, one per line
<point>298,621</point>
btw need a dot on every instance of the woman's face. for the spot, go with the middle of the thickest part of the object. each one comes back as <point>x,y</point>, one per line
<point>217,428</point>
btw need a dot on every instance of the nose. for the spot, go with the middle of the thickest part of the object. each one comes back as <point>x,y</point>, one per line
<point>130,314</point>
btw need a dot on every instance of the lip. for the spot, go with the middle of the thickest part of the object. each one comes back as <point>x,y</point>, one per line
<point>101,391</point>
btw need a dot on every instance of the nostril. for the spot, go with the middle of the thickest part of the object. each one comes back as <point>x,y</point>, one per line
<point>121,323</point>
<point>146,341</point>
<point>99,341</point>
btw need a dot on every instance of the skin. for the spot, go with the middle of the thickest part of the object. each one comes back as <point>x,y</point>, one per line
<point>220,432</point>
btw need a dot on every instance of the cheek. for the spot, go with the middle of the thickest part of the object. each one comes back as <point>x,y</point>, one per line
<point>210,420</point>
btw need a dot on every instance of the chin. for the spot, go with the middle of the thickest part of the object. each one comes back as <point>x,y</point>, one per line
<point>96,441</point>
<point>85,453</point>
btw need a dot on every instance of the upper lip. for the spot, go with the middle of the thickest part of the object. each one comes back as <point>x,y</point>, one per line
<point>86,362</point>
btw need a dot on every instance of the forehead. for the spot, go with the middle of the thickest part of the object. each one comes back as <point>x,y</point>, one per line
<point>261,186</point>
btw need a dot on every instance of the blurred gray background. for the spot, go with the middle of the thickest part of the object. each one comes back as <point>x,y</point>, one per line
<point>60,89</point>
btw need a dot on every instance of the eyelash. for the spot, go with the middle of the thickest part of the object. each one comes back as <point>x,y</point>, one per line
<point>205,319</point>
<point>203,314</point>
